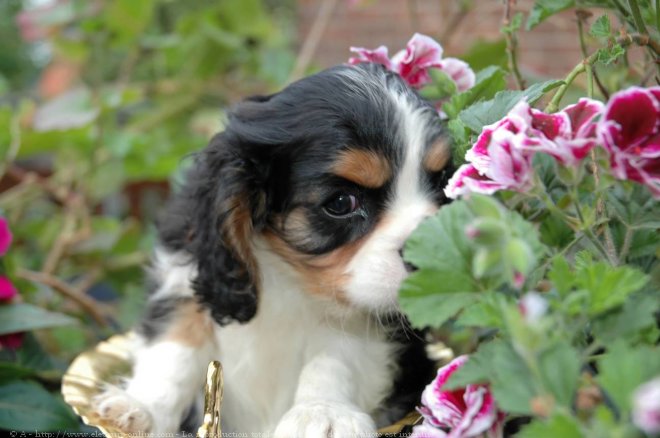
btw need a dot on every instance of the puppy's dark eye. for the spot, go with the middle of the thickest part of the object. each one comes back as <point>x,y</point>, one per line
<point>341,205</point>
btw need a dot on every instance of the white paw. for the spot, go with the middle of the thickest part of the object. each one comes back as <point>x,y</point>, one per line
<point>115,407</point>
<point>325,420</point>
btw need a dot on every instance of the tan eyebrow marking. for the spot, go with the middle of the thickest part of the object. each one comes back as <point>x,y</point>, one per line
<point>363,167</point>
<point>437,156</point>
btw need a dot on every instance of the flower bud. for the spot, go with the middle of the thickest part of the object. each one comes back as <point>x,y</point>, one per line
<point>487,232</point>
<point>519,256</point>
<point>485,206</point>
<point>484,261</point>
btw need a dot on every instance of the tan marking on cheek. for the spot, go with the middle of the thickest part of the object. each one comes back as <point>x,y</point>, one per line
<point>323,275</point>
<point>437,156</point>
<point>237,230</point>
<point>190,325</point>
<point>365,168</point>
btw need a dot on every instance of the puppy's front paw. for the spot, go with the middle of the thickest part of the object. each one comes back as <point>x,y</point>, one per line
<point>324,419</point>
<point>115,407</point>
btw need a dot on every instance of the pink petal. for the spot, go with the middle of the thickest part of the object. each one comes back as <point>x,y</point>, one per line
<point>376,56</point>
<point>480,415</point>
<point>7,289</point>
<point>460,72</point>
<point>646,172</point>
<point>5,236</point>
<point>421,53</point>
<point>467,179</point>
<point>11,340</point>
<point>551,125</point>
<point>447,407</point>
<point>426,430</point>
<point>582,116</point>
<point>631,116</point>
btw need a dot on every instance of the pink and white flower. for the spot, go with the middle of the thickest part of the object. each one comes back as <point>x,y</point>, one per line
<point>501,159</point>
<point>567,135</point>
<point>421,54</point>
<point>465,412</point>
<point>630,131</point>
<point>646,407</point>
<point>497,161</point>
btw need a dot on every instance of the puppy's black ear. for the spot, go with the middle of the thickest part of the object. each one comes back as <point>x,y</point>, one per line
<point>218,210</point>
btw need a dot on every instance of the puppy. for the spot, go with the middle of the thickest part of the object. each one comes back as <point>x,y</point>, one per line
<point>281,257</point>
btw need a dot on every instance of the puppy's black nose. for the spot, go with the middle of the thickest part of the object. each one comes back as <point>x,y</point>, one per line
<point>409,266</point>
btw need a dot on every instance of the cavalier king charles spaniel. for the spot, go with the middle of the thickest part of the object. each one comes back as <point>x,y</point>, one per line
<point>281,257</point>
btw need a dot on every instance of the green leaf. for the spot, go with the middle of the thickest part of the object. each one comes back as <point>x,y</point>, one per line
<point>433,310</point>
<point>623,368</point>
<point>483,54</point>
<point>559,425</point>
<point>485,313</point>
<point>512,381</point>
<point>127,18</point>
<point>601,27</point>
<point>477,369</point>
<point>439,243</point>
<point>608,55</point>
<point>28,406</point>
<point>561,275</point>
<point>25,317</point>
<point>488,82</point>
<point>560,370</point>
<point>636,315</point>
<point>608,286</point>
<point>461,141</point>
<point>485,113</point>
<point>544,9</point>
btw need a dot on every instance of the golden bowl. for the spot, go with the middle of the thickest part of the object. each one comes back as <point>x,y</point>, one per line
<point>109,362</point>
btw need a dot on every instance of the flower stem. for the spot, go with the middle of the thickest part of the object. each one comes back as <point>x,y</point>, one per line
<point>590,80</point>
<point>512,45</point>
<point>581,19</point>
<point>553,106</point>
<point>637,17</point>
<point>586,229</point>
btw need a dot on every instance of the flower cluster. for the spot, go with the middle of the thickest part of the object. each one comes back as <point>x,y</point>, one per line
<point>7,290</point>
<point>628,128</point>
<point>464,412</point>
<point>421,54</point>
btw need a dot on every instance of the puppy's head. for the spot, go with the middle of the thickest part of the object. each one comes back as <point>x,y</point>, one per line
<point>333,173</point>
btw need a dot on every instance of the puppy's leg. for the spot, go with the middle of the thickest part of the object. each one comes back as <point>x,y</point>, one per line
<point>326,403</point>
<point>168,371</point>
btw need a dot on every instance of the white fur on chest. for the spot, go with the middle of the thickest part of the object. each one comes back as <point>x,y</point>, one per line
<point>263,359</point>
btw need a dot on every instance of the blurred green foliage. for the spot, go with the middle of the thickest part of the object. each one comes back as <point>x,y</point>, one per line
<point>100,103</point>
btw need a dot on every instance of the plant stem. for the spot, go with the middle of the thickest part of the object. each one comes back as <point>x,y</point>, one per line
<point>553,106</point>
<point>512,45</point>
<point>637,17</point>
<point>590,235</point>
<point>581,20</point>
<point>590,80</point>
<point>84,302</point>
<point>624,41</point>
<point>625,247</point>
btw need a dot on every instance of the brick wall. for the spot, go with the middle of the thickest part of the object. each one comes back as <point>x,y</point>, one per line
<point>551,49</point>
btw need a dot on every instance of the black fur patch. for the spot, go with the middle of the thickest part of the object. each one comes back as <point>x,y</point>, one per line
<point>157,314</point>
